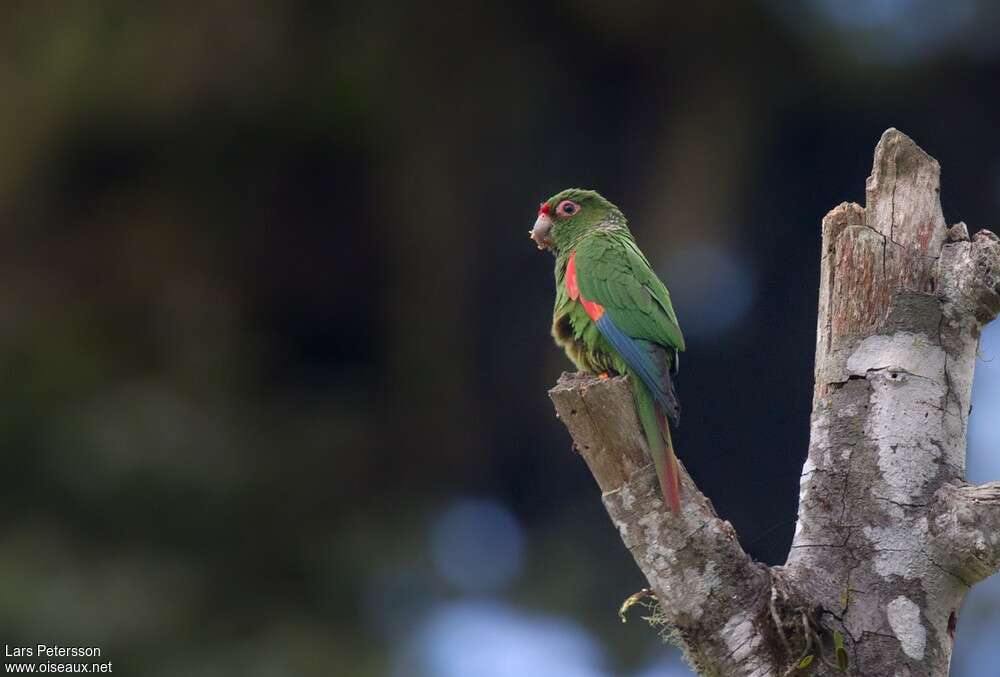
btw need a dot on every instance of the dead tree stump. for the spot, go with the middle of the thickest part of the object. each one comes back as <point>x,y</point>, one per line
<point>889,537</point>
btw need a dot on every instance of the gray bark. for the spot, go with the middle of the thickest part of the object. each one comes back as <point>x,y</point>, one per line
<point>889,537</point>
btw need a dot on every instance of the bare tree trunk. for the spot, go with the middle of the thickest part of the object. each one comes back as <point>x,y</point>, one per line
<point>890,537</point>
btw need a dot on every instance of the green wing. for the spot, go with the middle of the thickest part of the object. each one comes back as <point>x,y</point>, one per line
<point>612,271</point>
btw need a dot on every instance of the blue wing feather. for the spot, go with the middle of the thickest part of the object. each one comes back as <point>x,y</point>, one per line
<point>648,360</point>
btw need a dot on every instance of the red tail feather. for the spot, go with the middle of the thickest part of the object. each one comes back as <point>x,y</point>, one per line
<point>670,477</point>
<point>670,483</point>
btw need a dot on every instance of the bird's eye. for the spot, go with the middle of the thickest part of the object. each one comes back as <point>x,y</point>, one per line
<point>567,207</point>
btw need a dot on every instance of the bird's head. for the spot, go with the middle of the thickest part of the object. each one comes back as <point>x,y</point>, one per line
<point>570,214</point>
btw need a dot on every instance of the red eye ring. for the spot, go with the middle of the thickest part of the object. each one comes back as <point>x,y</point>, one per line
<point>567,208</point>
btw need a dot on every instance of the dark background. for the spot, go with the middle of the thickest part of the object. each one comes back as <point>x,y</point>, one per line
<point>275,342</point>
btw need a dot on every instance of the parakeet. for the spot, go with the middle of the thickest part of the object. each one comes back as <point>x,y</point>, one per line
<point>612,314</point>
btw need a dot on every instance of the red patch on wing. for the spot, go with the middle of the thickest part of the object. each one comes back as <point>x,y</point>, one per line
<point>594,310</point>
<point>571,287</point>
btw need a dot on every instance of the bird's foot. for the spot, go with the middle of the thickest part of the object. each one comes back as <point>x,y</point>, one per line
<point>604,376</point>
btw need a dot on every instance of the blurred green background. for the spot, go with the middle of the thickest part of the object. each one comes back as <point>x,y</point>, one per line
<point>275,343</point>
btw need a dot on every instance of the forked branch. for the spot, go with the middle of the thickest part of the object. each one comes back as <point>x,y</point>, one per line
<point>889,535</point>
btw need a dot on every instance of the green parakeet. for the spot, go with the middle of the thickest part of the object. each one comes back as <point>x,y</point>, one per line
<point>613,314</point>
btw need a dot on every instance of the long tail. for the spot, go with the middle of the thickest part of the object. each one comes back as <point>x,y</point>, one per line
<point>668,471</point>
<point>661,446</point>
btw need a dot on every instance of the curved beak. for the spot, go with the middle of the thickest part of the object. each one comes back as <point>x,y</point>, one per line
<point>540,233</point>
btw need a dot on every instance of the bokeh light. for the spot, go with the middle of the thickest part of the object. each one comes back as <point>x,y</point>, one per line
<point>491,639</point>
<point>891,32</point>
<point>477,545</point>
<point>712,288</point>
